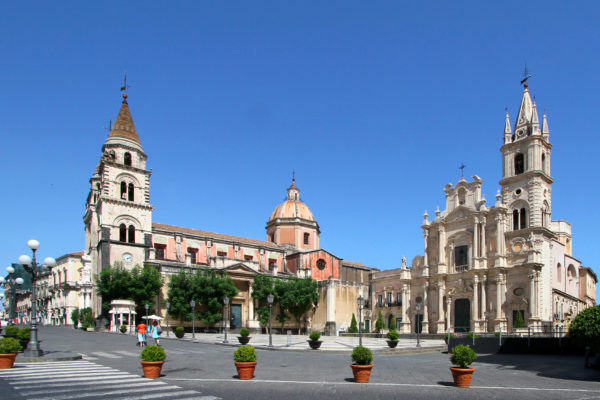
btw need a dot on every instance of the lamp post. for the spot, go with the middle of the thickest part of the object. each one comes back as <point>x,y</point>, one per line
<point>360,306</point>
<point>418,308</point>
<point>12,282</point>
<point>146,306</point>
<point>168,306</point>
<point>129,320</point>
<point>193,305</point>
<point>226,303</point>
<point>270,299</point>
<point>31,266</point>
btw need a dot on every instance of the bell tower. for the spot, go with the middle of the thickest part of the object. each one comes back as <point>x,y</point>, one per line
<point>118,215</point>
<point>526,181</point>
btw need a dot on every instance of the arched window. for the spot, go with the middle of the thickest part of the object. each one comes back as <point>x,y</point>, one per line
<point>122,233</point>
<point>519,164</point>
<point>571,272</point>
<point>127,159</point>
<point>558,272</point>
<point>130,192</point>
<point>306,238</point>
<point>131,234</point>
<point>515,220</point>
<point>123,190</point>
<point>544,162</point>
<point>523,218</point>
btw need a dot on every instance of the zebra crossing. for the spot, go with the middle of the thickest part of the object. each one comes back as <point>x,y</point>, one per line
<point>87,380</point>
<point>94,355</point>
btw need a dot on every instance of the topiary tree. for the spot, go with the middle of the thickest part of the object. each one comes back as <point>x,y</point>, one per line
<point>353,325</point>
<point>585,328</point>
<point>519,322</point>
<point>379,324</point>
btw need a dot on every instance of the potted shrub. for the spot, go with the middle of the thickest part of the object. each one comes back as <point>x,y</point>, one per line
<point>123,328</point>
<point>393,337</point>
<point>245,361</point>
<point>23,337</point>
<point>179,332</point>
<point>9,347</point>
<point>313,340</point>
<point>153,358</point>
<point>361,368</point>
<point>11,331</point>
<point>244,337</point>
<point>462,356</point>
<point>85,326</point>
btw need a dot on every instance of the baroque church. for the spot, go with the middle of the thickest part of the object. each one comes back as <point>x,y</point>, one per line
<point>483,267</point>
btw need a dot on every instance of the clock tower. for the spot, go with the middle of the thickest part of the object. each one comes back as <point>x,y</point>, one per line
<point>118,215</point>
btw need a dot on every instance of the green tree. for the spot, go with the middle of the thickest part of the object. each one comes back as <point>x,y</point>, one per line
<point>262,286</point>
<point>379,324</point>
<point>145,285</point>
<point>113,283</point>
<point>353,325</point>
<point>75,317</point>
<point>180,292</point>
<point>281,288</point>
<point>300,297</point>
<point>585,328</point>
<point>519,322</point>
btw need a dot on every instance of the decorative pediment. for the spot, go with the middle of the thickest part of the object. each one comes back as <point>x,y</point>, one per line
<point>239,268</point>
<point>457,214</point>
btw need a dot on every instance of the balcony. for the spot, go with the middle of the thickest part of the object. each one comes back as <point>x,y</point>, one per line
<point>461,268</point>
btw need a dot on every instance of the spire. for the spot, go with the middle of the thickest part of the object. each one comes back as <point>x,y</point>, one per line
<point>535,120</point>
<point>545,130</point>
<point>123,126</point>
<point>507,130</point>
<point>293,191</point>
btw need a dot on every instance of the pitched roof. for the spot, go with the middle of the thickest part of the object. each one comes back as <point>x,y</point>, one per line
<point>197,232</point>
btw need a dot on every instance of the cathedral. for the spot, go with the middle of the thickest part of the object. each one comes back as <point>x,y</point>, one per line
<point>484,268</point>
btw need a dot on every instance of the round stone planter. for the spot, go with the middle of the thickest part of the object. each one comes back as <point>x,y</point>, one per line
<point>392,343</point>
<point>243,339</point>
<point>462,376</point>
<point>314,344</point>
<point>152,368</point>
<point>179,335</point>
<point>362,373</point>
<point>245,369</point>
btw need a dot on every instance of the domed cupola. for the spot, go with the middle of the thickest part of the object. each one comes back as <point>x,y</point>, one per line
<point>293,223</point>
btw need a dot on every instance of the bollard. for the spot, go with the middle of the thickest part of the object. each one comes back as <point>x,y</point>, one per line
<point>500,338</point>
<point>473,337</point>
<point>289,338</point>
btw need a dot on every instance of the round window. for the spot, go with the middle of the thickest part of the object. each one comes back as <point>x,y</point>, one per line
<point>321,264</point>
<point>518,291</point>
<point>518,191</point>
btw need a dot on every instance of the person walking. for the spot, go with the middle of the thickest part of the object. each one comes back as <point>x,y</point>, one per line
<point>141,329</point>
<point>156,331</point>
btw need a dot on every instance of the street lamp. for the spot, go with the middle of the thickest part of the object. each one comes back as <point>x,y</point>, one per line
<point>360,307</point>
<point>146,306</point>
<point>31,266</point>
<point>168,306</point>
<point>418,308</point>
<point>12,282</point>
<point>226,303</point>
<point>270,299</point>
<point>193,305</point>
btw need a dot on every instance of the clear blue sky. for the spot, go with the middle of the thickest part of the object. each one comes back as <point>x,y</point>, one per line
<point>374,104</point>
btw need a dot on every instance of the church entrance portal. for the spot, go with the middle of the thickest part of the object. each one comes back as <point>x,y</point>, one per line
<point>462,315</point>
<point>236,316</point>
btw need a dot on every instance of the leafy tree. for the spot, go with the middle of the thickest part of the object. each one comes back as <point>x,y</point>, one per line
<point>519,322</point>
<point>379,324</point>
<point>300,297</point>
<point>281,287</point>
<point>207,288</point>
<point>141,285</point>
<point>585,328</point>
<point>75,317</point>
<point>353,325</point>
<point>262,286</point>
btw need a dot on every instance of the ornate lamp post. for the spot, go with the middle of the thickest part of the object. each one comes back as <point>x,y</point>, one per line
<point>129,320</point>
<point>360,307</point>
<point>226,303</point>
<point>270,299</point>
<point>418,308</point>
<point>31,266</point>
<point>193,305</point>
<point>168,306</point>
<point>146,306</point>
<point>11,281</point>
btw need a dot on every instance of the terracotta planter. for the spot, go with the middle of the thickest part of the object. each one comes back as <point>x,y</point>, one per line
<point>362,373</point>
<point>314,344</point>
<point>152,368</point>
<point>245,369</point>
<point>7,360</point>
<point>243,339</point>
<point>392,343</point>
<point>462,376</point>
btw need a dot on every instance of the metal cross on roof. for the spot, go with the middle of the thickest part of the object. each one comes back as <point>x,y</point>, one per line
<point>462,170</point>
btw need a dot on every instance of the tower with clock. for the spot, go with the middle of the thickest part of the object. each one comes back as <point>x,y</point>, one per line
<point>118,215</point>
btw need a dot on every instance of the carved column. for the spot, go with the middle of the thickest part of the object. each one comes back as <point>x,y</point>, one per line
<point>475,306</point>
<point>451,260</point>
<point>483,255</point>
<point>448,313</point>
<point>425,322</point>
<point>425,257</point>
<point>441,248</point>
<point>499,296</point>
<point>537,294</point>
<point>483,299</point>
<point>475,247</point>
<point>250,302</point>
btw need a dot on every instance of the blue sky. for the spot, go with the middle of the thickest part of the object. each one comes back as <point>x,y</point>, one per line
<point>374,104</point>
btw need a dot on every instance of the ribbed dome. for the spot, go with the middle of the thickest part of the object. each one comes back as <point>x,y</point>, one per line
<point>293,207</point>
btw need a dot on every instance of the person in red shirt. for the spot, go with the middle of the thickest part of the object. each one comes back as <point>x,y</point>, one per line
<point>141,329</point>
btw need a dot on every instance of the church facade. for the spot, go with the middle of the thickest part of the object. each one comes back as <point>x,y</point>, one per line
<point>499,267</point>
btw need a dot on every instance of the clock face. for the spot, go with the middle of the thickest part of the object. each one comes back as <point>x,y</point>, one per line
<point>128,258</point>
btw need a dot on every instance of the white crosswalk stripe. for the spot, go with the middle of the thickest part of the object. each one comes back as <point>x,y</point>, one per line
<point>125,353</point>
<point>86,380</point>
